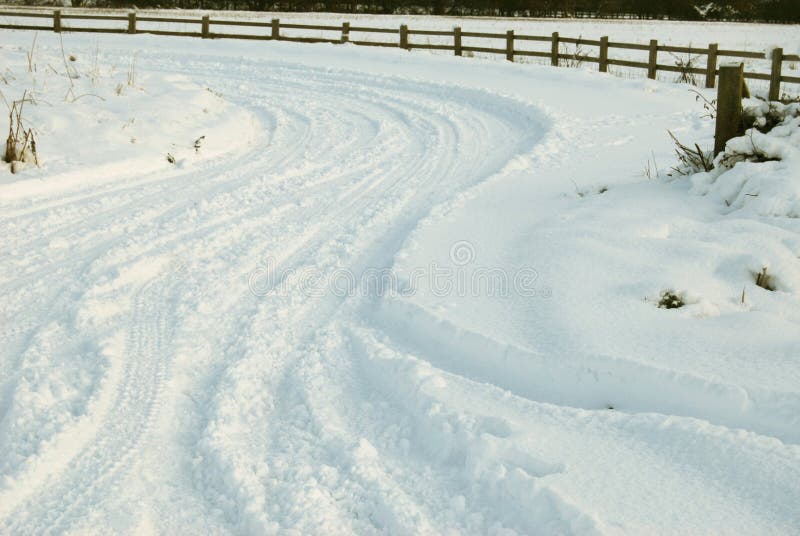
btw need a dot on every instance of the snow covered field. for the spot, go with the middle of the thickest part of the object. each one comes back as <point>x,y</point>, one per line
<point>751,37</point>
<point>387,293</point>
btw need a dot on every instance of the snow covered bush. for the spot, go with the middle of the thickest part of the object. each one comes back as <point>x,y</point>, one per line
<point>761,169</point>
<point>670,300</point>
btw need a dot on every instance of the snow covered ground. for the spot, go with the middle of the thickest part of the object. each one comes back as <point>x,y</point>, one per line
<point>389,293</point>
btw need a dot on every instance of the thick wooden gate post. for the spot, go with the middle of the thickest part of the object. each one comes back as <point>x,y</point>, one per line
<point>457,40</point>
<point>653,59</point>
<point>404,36</point>
<point>206,26</point>
<point>775,74</point>
<point>345,32</point>
<point>510,45</point>
<point>57,21</point>
<point>604,54</point>
<point>729,105</point>
<point>711,65</point>
<point>132,22</point>
<point>276,29</point>
<point>554,50</point>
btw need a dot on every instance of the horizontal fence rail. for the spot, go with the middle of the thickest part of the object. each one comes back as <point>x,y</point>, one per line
<point>202,28</point>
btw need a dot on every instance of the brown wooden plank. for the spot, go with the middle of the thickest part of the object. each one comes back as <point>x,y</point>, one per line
<point>240,36</point>
<point>626,63</point>
<point>554,50</point>
<point>652,63</point>
<point>24,27</point>
<point>711,65</point>
<point>485,49</point>
<point>741,54</point>
<point>308,39</point>
<point>311,27</point>
<point>240,23</point>
<point>429,32</point>
<point>590,59</point>
<point>580,41</point>
<point>542,38</point>
<point>374,43</point>
<point>166,19</point>
<point>682,50</point>
<point>791,57</point>
<point>91,17</point>
<point>33,15</point>
<point>603,60</point>
<point>374,30</point>
<point>628,46</point>
<point>729,106</point>
<point>484,35</point>
<point>756,76</point>
<point>676,69</point>
<point>430,47</point>
<point>775,74</point>
<point>532,53</point>
<point>791,79</point>
<point>164,32</point>
<point>95,30</point>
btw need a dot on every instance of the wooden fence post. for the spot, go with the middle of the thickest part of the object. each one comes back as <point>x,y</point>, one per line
<point>404,36</point>
<point>604,54</point>
<point>510,45</point>
<point>57,21</point>
<point>775,74</point>
<point>711,65</point>
<point>457,40</point>
<point>729,105</point>
<point>345,32</point>
<point>206,26</point>
<point>132,22</point>
<point>653,61</point>
<point>554,51</point>
<point>276,29</point>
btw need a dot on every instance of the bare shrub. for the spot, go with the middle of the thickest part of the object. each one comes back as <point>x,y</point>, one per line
<point>577,55</point>
<point>21,142</point>
<point>686,68</point>
<point>692,160</point>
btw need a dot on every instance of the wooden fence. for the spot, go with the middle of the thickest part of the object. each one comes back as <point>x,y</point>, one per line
<point>405,40</point>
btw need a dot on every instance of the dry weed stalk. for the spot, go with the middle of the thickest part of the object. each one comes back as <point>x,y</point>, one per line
<point>21,142</point>
<point>692,160</point>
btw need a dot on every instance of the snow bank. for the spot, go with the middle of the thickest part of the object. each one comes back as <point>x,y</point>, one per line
<point>759,171</point>
<point>97,116</point>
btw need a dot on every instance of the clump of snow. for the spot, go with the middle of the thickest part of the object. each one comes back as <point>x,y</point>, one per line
<point>760,170</point>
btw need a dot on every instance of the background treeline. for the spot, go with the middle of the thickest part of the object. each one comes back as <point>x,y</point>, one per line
<point>730,10</point>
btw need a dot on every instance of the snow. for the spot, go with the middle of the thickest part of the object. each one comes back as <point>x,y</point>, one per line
<point>390,293</point>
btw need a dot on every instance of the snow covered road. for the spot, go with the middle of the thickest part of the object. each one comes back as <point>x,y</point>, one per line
<point>222,346</point>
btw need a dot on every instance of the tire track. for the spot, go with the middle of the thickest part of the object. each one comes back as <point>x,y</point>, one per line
<point>91,477</point>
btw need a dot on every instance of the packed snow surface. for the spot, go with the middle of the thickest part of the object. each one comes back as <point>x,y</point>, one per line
<point>382,292</point>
